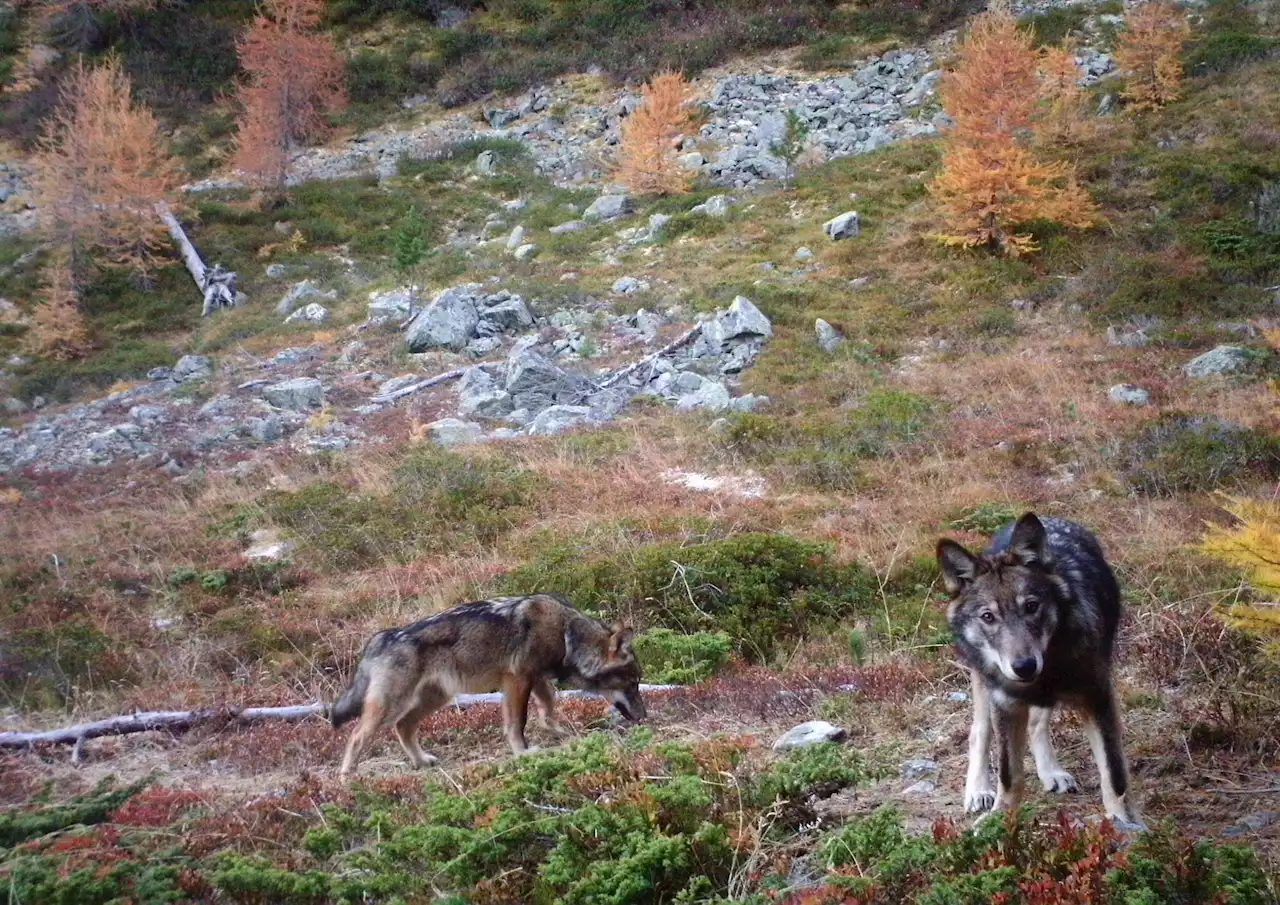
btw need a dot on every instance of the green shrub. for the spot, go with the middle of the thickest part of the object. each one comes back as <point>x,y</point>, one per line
<point>437,497</point>
<point>826,451</point>
<point>94,807</point>
<point>1231,36</point>
<point>764,590</point>
<point>820,770</point>
<point>985,518</point>
<point>1182,452</point>
<point>670,658</point>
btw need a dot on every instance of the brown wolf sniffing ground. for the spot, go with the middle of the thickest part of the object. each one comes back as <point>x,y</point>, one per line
<point>514,644</point>
<point>1035,620</point>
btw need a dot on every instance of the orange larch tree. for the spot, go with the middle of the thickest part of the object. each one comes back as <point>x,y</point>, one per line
<point>1150,50</point>
<point>991,181</point>
<point>1062,120</point>
<point>646,153</point>
<point>58,329</point>
<point>102,167</point>
<point>294,77</point>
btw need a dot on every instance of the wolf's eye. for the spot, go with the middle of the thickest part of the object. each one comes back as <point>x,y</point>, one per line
<point>1031,607</point>
<point>988,617</point>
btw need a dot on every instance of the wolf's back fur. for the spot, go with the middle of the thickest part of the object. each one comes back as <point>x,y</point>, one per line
<point>515,644</point>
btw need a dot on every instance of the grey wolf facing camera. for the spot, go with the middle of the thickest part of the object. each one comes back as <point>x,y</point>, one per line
<point>514,644</point>
<point>1034,618</point>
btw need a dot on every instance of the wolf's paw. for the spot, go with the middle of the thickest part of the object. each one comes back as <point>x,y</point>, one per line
<point>979,800</point>
<point>531,749</point>
<point>426,760</point>
<point>1059,781</point>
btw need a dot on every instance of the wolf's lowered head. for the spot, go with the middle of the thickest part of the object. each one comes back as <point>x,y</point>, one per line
<point>616,676</point>
<point>1005,606</point>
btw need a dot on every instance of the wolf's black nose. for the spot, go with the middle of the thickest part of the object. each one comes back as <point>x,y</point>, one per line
<point>1025,669</point>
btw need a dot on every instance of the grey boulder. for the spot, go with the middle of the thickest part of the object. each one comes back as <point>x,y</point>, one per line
<point>449,321</point>
<point>297,395</point>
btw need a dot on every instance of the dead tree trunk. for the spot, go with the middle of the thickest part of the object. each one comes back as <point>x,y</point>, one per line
<point>181,720</point>
<point>217,285</point>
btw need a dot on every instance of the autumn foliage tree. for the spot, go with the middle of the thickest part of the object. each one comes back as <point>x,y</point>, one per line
<point>58,329</point>
<point>1062,120</point>
<point>646,155</point>
<point>294,77</point>
<point>991,180</point>
<point>1150,50</point>
<point>102,166</point>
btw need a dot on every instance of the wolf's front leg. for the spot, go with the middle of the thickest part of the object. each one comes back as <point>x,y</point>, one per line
<point>978,792</point>
<point>1052,775</point>
<point>515,711</point>
<point>545,693</point>
<point>1010,719</point>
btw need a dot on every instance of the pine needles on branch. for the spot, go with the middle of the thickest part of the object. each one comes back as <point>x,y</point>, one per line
<point>646,156</point>
<point>1253,544</point>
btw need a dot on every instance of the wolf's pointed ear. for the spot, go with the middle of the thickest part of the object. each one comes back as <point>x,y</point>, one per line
<point>1029,543</point>
<point>959,566</point>
<point>620,641</point>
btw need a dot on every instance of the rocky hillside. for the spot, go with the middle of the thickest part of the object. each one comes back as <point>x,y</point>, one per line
<point>738,419</point>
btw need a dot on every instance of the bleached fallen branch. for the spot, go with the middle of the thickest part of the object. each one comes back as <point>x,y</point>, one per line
<point>670,347</point>
<point>218,286</point>
<point>179,720</point>
<point>420,385</point>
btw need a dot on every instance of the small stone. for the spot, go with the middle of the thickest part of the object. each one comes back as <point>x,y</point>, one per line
<point>572,226</point>
<point>608,207</point>
<point>959,697</point>
<point>629,285</point>
<point>715,206</point>
<point>1128,339</point>
<point>486,163</point>
<point>524,252</point>
<point>296,395</point>
<point>1128,394</point>
<point>268,545</point>
<point>450,320</point>
<point>711,395</point>
<point>921,768</point>
<point>807,734</point>
<point>265,430</point>
<point>845,226</point>
<point>558,418</point>
<point>454,432</point>
<point>311,314</point>
<point>190,368</point>
<point>829,338</point>
<point>516,239</point>
<point>1219,361</point>
<point>923,787</point>
<point>803,253</point>
<point>691,161</point>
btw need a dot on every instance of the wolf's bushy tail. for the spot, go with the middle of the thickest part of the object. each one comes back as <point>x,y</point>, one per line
<point>351,704</point>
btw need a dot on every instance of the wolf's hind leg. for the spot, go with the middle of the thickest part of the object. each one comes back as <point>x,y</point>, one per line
<point>430,699</point>
<point>1102,726</point>
<point>371,720</point>
<point>1052,775</point>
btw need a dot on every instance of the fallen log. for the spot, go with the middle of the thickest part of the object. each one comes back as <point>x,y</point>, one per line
<point>420,385</point>
<point>218,286</point>
<point>670,347</point>
<point>181,720</point>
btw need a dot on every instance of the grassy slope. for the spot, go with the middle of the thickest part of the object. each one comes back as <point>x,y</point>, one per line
<point>869,453</point>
